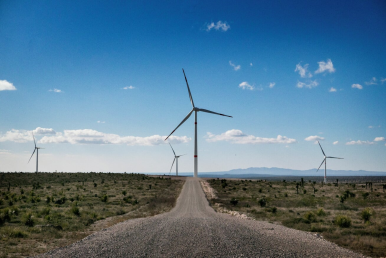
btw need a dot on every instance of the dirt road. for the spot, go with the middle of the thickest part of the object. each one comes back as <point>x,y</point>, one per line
<point>194,229</point>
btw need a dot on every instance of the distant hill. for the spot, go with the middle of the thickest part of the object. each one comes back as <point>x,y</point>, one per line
<point>269,172</point>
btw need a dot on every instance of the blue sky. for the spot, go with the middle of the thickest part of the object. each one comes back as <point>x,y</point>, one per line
<point>101,84</point>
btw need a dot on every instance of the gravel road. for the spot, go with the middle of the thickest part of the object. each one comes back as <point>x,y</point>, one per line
<point>194,229</point>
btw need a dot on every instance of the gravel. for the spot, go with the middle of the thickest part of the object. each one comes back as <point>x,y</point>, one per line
<point>194,229</point>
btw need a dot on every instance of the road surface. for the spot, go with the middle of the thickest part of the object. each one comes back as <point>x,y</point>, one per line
<point>194,229</point>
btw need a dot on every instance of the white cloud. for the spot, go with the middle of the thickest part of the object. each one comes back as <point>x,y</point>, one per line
<point>332,89</point>
<point>100,122</point>
<point>383,80</point>
<point>87,136</point>
<point>246,85</point>
<point>325,66</point>
<point>56,90</point>
<point>252,65</point>
<point>4,152</point>
<point>6,85</point>
<point>218,26</point>
<point>371,127</point>
<point>379,139</point>
<point>310,85</point>
<point>128,87</point>
<point>357,86</point>
<point>359,143</point>
<point>303,71</point>
<point>238,137</point>
<point>235,67</point>
<point>373,81</point>
<point>272,84</point>
<point>40,130</point>
<point>314,138</point>
<point>335,143</point>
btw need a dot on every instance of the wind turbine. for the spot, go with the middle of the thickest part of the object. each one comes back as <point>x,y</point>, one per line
<point>325,162</point>
<point>37,154</point>
<point>195,109</point>
<point>176,160</point>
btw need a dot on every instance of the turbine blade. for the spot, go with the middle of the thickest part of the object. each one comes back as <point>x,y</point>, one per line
<point>321,164</point>
<point>208,111</point>
<point>34,139</point>
<point>172,165</point>
<point>321,148</point>
<point>190,94</point>
<point>32,155</point>
<point>172,149</point>
<point>334,158</point>
<point>183,121</point>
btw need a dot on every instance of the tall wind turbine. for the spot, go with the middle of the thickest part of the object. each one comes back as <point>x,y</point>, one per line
<point>175,159</point>
<point>195,109</point>
<point>325,162</point>
<point>37,154</point>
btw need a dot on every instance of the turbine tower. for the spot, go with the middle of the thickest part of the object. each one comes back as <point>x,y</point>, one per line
<point>176,160</point>
<point>37,154</point>
<point>195,109</point>
<point>325,162</point>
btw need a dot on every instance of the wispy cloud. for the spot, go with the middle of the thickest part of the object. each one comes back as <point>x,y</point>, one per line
<point>128,87</point>
<point>332,89</point>
<point>235,67</point>
<point>56,90</point>
<point>87,136</point>
<point>357,86</point>
<point>314,138</point>
<point>311,84</point>
<point>246,86</point>
<point>325,66</point>
<point>6,85</point>
<point>238,137</point>
<point>373,81</point>
<point>100,122</point>
<point>379,139</point>
<point>303,71</point>
<point>252,65</point>
<point>383,80</point>
<point>359,143</point>
<point>218,26</point>
<point>271,85</point>
<point>335,143</point>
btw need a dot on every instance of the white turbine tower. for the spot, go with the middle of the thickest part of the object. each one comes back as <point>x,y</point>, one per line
<point>37,154</point>
<point>325,162</point>
<point>195,109</point>
<point>176,160</point>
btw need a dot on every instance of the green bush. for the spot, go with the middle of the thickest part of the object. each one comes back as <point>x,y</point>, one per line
<point>104,198</point>
<point>343,221</point>
<point>366,214</point>
<point>75,210</point>
<point>262,202</point>
<point>234,201</point>
<point>365,195</point>
<point>28,220</point>
<point>309,216</point>
<point>320,212</point>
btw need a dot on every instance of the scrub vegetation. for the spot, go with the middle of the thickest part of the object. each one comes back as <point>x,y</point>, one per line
<point>43,211</point>
<point>350,215</point>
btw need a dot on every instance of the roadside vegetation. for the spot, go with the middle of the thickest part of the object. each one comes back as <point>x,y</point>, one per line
<point>43,211</point>
<point>350,215</point>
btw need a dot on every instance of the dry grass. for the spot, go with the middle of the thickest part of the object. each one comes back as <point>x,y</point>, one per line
<point>39,212</point>
<point>334,211</point>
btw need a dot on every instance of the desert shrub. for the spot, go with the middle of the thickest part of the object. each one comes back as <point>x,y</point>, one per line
<point>320,212</point>
<point>285,195</point>
<point>343,221</point>
<point>28,220</point>
<point>234,201</point>
<point>4,216</point>
<point>104,198</point>
<point>271,209</point>
<point>48,199</point>
<point>95,184</point>
<point>260,190</point>
<point>75,210</point>
<point>45,211</point>
<point>120,212</point>
<point>262,202</point>
<point>365,195</point>
<point>61,200</point>
<point>309,216</point>
<point>124,192</point>
<point>366,214</point>
<point>14,232</point>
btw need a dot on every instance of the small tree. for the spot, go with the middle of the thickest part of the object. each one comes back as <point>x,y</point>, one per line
<point>343,221</point>
<point>366,214</point>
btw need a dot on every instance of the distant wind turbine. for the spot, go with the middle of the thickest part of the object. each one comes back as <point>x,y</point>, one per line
<point>195,109</point>
<point>175,159</point>
<point>37,154</point>
<point>325,162</point>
